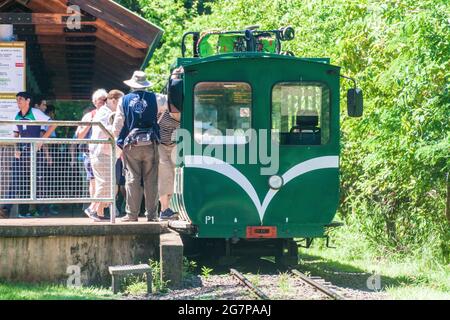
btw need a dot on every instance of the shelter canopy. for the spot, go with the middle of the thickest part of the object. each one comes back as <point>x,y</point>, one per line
<point>68,64</point>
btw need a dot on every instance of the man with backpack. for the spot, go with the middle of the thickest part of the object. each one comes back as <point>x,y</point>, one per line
<point>137,131</point>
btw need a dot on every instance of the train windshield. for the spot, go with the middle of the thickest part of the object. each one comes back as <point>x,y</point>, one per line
<point>222,112</point>
<point>301,113</point>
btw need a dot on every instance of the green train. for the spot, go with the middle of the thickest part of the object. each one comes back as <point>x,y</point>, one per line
<point>259,145</point>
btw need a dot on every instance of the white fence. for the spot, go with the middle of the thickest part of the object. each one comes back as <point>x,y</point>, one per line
<point>53,170</point>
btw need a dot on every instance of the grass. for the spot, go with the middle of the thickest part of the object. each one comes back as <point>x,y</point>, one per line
<point>134,285</point>
<point>283,282</point>
<point>22,291</point>
<point>402,276</point>
<point>137,288</point>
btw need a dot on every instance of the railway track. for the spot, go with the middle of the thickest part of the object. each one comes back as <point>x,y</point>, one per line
<point>246,282</point>
<point>315,282</point>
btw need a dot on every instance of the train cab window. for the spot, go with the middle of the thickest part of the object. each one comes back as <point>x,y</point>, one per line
<point>301,113</point>
<point>222,112</point>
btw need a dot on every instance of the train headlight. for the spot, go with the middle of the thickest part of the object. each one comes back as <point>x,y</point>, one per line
<point>276,182</point>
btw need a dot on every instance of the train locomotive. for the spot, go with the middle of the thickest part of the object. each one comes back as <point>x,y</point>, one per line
<point>259,144</point>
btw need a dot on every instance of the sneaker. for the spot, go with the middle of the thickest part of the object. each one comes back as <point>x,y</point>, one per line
<point>88,212</point>
<point>168,214</point>
<point>95,217</point>
<point>92,214</point>
<point>25,215</point>
<point>127,218</point>
<point>152,219</point>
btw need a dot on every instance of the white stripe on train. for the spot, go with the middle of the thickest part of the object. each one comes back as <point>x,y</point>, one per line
<point>219,166</point>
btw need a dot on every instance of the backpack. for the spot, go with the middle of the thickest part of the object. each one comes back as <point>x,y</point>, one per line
<point>139,137</point>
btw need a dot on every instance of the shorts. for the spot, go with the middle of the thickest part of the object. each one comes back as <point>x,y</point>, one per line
<point>101,166</point>
<point>166,174</point>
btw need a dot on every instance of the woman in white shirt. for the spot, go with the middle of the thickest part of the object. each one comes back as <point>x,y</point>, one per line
<point>100,155</point>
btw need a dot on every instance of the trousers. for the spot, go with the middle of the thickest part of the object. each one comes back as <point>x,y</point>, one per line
<point>141,176</point>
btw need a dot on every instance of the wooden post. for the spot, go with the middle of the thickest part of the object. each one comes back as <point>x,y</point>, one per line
<point>116,283</point>
<point>149,282</point>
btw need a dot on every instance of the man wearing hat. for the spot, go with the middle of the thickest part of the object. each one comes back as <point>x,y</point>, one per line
<point>137,112</point>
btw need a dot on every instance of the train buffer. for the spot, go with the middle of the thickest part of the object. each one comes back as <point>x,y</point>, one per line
<point>118,272</point>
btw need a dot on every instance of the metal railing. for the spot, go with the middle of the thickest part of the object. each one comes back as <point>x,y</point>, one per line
<point>53,170</point>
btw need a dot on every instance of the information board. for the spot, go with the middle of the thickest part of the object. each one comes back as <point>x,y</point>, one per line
<point>8,111</point>
<point>12,67</point>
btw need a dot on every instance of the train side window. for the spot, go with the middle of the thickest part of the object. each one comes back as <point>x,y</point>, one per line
<point>222,112</point>
<point>301,113</point>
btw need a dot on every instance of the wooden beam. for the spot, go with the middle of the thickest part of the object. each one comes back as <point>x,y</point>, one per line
<point>47,6</point>
<point>45,24</point>
<point>5,3</point>
<point>84,40</point>
<point>121,19</point>
<point>59,52</point>
<point>41,18</point>
<point>50,30</point>
<point>131,52</point>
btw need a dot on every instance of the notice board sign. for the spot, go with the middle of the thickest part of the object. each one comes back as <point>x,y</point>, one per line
<point>8,111</point>
<point>12,67</point>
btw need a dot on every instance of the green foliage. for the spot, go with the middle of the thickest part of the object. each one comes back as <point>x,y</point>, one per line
<point>132,5</point>
<point>171,16</point>
<point>206,272</point>
<point>159,286</point>
<point>396,157</point>
<point>411,277</point>
<point>69,111</point>
<point>135,284</point>
<point>189,267</point>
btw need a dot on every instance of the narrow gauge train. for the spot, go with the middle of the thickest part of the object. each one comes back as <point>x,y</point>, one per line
<point>259,145</point>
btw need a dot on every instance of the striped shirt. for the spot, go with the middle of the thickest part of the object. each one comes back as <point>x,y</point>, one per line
<point>167,127</point>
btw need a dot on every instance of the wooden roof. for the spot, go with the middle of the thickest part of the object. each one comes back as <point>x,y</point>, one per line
<point>70,64</point>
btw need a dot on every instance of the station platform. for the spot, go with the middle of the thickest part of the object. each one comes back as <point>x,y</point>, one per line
<point>41,227</point>
<point>49,249</point>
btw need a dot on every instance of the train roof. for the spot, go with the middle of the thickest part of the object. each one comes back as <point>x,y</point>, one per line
<point>192,61</point>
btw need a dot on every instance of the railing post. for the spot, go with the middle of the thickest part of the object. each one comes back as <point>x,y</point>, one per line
<point>33,171</point>
<point>113,182</point>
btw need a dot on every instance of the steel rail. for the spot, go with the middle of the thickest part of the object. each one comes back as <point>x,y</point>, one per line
<point>317,285</point>
<point>248,284</point>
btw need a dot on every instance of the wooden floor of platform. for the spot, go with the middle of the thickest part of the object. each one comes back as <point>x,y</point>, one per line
<point>77,227</point>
